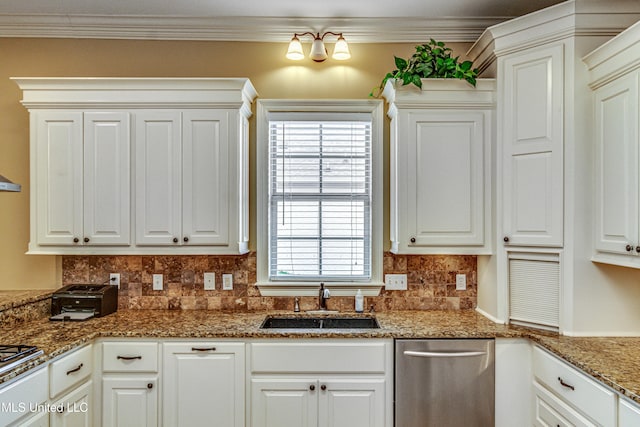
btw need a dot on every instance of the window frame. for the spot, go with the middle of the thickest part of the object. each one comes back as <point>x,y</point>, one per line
<point>265,108</point>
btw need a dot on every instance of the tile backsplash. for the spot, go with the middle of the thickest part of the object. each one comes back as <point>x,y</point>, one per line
<point>430,283</point>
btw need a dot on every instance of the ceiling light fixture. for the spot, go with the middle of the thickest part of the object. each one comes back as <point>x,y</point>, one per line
<point>318,50</point>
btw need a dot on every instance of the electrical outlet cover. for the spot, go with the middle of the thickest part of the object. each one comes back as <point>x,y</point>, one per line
<point>227,282</point>
<point>395,282</point>
<point>461,282</point>
<point>157,282</point>
<point>209,281</point>
<point>114,279</point>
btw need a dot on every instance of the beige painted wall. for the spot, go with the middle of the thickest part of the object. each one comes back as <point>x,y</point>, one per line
<point>264,63</point>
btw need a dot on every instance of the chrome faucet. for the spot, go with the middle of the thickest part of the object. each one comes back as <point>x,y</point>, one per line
<point>323,296</point>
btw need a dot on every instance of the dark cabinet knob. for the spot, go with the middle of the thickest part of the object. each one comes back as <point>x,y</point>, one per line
<point>76,240</point>
<point>506,239</point>
<point>150,386</point>
<point>638,249</point>
<point>175,240</point>
<point>86,240</point>
<point>413,240</point>
<point>312,387</point>
<point>323,387</point>
<point>186,239</point>
<point>629,248</point>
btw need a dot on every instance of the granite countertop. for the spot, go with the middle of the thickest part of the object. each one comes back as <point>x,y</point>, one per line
<point>11,299</point>
<point>613,361</point>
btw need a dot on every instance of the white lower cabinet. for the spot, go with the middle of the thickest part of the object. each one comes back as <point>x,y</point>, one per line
<point>575,397</point>
<point>41,419</point>
<point>321,383</point>
<point>628,413</point>
<point>129,402</point>
<point>75,408</point>
<point>203,384</point>
<point>18,398</point>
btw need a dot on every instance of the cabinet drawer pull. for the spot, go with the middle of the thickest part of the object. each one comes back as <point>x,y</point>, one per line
<point>628,248</point>
<point>506,239</point>
<point>638,249</point>
<point>203,349</point>
<point>312,387</point>
<point>86,240</point>
<point>563,384</point>
<point>129,357</point>
<point>76,240</point>
<point>150,386</point>
<point>76,369</point>
<point>186,239</point>
<point>175,240</point>
<point>323,387</point>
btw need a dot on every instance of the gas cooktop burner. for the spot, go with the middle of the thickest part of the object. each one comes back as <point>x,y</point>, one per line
<point>14,355</point>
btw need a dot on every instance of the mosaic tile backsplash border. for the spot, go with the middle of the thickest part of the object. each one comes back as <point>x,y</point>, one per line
<point>430,283</point>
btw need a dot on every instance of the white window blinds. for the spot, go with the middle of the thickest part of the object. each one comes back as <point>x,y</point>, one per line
<point>320,197</point>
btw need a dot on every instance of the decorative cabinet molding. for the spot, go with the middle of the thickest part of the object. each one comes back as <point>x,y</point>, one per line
<point>186,189</point>
<point>615,75</point>
<point>441,142</point>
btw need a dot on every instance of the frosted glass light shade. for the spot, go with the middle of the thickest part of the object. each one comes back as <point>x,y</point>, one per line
<point>318,51</point>
<point>341,50</point>
<point>295,50</point>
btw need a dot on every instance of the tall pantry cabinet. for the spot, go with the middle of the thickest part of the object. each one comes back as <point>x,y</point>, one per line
<point>139,165</point>
<point>543,159</point>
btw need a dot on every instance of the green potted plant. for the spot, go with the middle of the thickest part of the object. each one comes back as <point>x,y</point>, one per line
<point>431,60</point>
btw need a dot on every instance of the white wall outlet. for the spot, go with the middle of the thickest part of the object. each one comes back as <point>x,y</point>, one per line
<point>209,281</point>
<point>114,279</point>
<point>395,282</point>
<point>157,282</point>
<point>461,282</point>
<point>227,282</point>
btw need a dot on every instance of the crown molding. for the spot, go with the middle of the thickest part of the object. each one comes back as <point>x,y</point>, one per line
<point>247,29</point>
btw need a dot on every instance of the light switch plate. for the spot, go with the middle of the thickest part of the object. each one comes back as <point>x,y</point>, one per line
<point>227,282</point>
<point>461,282</point>
<point>209,281</point>
<point>157,282</point>
<point>395,282</point>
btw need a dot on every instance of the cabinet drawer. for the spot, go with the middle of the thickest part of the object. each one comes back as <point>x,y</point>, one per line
<point>19,397</point>
<point>130,357</point>
<point>70,370</point>
<point>583,393</point>
<point>551,411</point>
<point>370,357</point>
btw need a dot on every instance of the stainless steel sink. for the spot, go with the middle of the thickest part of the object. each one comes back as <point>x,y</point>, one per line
<point>282,322</point>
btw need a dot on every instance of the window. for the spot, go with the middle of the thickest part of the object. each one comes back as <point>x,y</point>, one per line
<point>319,194</point>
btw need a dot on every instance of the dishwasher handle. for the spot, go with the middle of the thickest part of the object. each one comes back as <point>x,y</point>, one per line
<point>444,353</point>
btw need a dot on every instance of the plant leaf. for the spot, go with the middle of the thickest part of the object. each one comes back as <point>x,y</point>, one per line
<point>401,64</point>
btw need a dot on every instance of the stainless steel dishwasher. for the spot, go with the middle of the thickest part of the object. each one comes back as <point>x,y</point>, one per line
<point>445,383</point>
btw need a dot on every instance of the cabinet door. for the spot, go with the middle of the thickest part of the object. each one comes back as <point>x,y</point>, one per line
<point>58,177</point>
<point>628,413</point>
<point>106,178</point>
<point>616,110</point>
<point>532,142</point>
<point>351,403</point>
<point>444,192</point>
<point>203,382</point>
<point>75,408</point>
<point>129,402</point>
<point>291,402</point>
<point>158,177</point>
<point>39,420</point>
<point>205,166</point>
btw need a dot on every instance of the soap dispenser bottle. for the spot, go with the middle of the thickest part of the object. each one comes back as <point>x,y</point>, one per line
<point>359,302</point>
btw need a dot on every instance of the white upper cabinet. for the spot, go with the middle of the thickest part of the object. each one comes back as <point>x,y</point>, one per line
<point>441,140</point>
<point>182,202</point>
<point>81,170</point>
<point>532,147</point>
<point>162,159</point>
<point>615,75</point>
